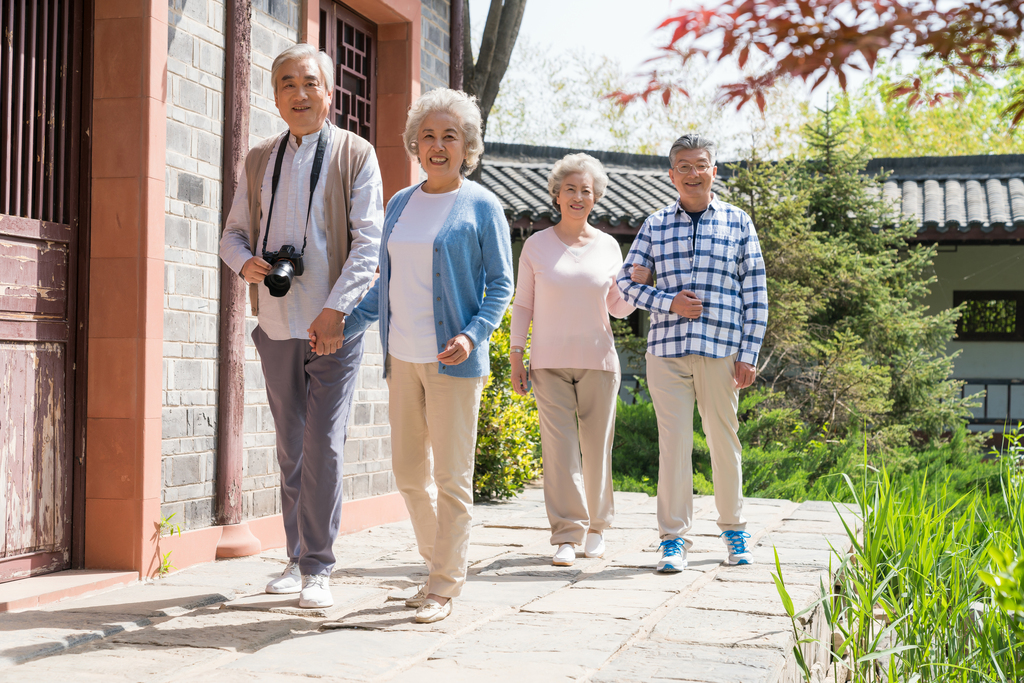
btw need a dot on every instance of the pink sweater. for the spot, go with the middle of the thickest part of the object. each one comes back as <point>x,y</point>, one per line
<point>568,299</point>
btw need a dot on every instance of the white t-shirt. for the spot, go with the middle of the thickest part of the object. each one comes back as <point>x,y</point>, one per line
<point>412,330</point>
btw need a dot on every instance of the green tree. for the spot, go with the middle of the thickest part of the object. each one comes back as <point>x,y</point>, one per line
<point>971,122</point>
<point>848,341</point>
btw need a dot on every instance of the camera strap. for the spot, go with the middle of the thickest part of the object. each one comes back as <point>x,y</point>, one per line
<point>314,178</point>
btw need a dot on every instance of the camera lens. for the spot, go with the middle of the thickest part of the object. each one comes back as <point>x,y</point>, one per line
<point>279,279</point>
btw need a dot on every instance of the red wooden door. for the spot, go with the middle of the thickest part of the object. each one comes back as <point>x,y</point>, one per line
<point>351,41</point>
<point>41,56</point>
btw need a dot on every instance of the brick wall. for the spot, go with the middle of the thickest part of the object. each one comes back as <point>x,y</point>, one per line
<point>191,283</point>
<point>434,51</point>
<point>195,107</point>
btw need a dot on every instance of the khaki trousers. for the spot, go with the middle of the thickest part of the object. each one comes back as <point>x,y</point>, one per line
<point>433,442</point>
<point>577,426</point>
<point>674,384</point>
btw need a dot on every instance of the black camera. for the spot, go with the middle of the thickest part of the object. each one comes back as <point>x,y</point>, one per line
<point>285,263</point>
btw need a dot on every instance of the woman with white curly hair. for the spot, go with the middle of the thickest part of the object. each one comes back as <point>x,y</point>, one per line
<point>567,288</point>
<point>445,282</point>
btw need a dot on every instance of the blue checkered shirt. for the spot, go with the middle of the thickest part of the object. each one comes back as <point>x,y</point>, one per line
<point>725,271</point>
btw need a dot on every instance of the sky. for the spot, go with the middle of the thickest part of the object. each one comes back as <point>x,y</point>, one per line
<point>600,26</point>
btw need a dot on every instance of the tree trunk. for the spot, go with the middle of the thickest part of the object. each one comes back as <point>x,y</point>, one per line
<point>483,75</point>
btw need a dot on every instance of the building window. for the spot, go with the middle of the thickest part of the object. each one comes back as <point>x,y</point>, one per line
<point>990,316</point>
<point>351,42</point>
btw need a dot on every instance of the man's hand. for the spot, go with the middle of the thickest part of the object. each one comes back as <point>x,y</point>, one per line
<point>520,375</point>
<point>642,275</point>
<point>456,350</point>
<point>254,270</point>
<point>743,374</point>
<point>687,305</point>
<point>327,332</point>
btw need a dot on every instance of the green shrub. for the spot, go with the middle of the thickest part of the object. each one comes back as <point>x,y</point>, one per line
<point>508,435</point>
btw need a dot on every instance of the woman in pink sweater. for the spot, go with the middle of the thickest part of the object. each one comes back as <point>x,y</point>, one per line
<point>567,288</point>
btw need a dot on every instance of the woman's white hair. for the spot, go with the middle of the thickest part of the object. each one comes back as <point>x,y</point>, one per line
<point>577,163</point>
<point>305,51</point>
<point>462,107</point>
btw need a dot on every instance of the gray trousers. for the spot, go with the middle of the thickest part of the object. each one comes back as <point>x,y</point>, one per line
<point>310,397</point>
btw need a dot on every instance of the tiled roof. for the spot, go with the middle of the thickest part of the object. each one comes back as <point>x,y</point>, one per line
<point>953,199</point>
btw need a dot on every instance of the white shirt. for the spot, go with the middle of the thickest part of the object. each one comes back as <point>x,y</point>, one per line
<point>289,317</point>
<point>411,326</point>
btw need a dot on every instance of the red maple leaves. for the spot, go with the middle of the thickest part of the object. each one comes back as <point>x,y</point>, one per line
<point>815,39</point>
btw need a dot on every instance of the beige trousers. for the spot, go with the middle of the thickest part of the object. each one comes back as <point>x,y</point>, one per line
<point>433,440</point>
<point>577,454</point>
<point>674,384</point>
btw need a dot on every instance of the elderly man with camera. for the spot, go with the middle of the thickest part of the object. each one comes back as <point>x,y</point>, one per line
<point>304,231</point>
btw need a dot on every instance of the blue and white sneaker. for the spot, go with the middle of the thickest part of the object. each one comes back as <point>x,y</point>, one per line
<point>736,542</point>
<point>673,556</point>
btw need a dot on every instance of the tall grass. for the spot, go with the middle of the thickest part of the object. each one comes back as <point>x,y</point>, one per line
<point>932,589</point>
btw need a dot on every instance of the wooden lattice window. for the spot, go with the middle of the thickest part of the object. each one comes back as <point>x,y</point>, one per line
<point>990,316</point>
<point>351,41</point>
<point>38,118</point>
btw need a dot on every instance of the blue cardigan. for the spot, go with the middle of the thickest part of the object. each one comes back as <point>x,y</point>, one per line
<point>472,256</point>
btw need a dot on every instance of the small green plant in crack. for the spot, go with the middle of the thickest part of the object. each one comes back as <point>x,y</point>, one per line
<point>166,527</point>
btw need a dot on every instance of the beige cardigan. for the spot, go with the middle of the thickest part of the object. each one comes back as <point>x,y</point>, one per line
<point>348,154</point>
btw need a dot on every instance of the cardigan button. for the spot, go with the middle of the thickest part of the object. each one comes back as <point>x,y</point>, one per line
<point>437,274</point>
<point>438,298</point>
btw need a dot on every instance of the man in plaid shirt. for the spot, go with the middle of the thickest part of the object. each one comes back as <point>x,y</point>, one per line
<point>709,310</point>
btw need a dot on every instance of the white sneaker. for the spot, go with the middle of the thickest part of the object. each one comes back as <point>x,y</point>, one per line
<point>290,580</point>
<point>594,547</point>
<point>418,599</point>
<point>432,611</point>
<point>673,556</point>
<point>316,591</point>
<point>564,556</point>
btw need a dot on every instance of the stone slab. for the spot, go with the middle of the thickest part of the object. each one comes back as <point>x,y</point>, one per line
<point>520,638</point>
<point>347,597</point>
<point>620,603</point>
<point>35,591</point>
<point>762,573</point>
<point>722,627</point>
<point>503,537</point>
<point>150,599</point>
<point>633,579</point>
<point>820,541</point>
<point>349,654</point>
<point>528,566</point>
<point>703,562</point>
<point>105,663</point>
<point>749,598</point>
<point>652,661</point>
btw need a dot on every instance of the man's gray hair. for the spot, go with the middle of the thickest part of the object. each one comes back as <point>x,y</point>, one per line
<point>459,105</point>
<point>692,141</point>
<point>305,51</point>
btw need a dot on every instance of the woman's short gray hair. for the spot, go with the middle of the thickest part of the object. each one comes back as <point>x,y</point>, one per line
<point>692,141</point>
<point>457,104</point>
<point>305,51</point>
<point>577,163</point>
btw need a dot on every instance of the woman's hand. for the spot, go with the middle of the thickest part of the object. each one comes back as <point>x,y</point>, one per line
<point>456,350</point>
<point>641,275</point>
<point>520,375</point>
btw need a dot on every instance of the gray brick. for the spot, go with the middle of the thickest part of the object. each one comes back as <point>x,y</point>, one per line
<point>179,44</point>
<point>380,413</point>
<point>190,188</point>
<point>186,469</point>
<point>199,513</point>
<point>380,483</point>
<point>187,374</point>
<point>371,449</point>
<point>208,238</point>
<point>183,280</point>
<point>191,96</point>
<point>178,137</point>
<point>264,503</point>
<point>177,232</point>
<point>175,325</point>
<point>211,59</point>
<point>204,421</point>
<point>362,414</point>
<point>173,423</point>
<point>208,147</point>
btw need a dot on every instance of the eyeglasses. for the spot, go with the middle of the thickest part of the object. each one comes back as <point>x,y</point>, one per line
<point>685,169</point>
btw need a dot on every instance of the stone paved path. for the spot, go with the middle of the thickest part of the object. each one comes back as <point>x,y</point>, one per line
<point>519,618</point>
